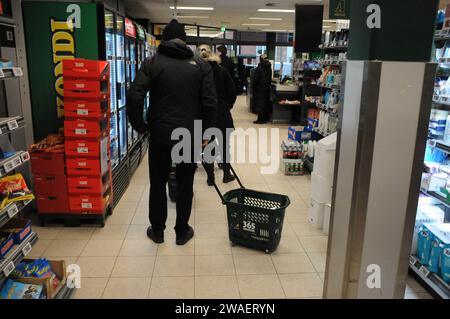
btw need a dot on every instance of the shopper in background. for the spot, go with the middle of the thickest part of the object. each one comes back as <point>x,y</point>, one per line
<point>261,87</point>
<point>227,63</point>
<point>182,91</point>
<point>226,97</point>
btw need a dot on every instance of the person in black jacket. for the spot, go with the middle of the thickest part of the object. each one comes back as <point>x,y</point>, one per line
<point>262,81</point>
<point>227,63</point>
<point>182,90</point>
<point>226,97</point>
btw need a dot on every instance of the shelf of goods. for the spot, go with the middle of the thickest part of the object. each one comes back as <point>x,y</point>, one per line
<point>434,202</point>
<point>11,210</point>
<point>10,72</point>
<point>10,124</point>
<point>15,256</point>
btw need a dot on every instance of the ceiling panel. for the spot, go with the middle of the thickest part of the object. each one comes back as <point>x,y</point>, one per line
<point>232,13</point>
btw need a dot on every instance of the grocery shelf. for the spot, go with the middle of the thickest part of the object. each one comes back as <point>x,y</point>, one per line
<point>11,211</point>
<point>333,63</point>
<point>323,107</point>
<point>436,196</point>
<point>9,164</point>
<point>16,255</point>
<point>10,72</point>
<point>328,86</point>
<point>11,124</point>
<point>433,281</point>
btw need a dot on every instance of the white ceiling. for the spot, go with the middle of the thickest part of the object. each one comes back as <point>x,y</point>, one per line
<point>232,13</point>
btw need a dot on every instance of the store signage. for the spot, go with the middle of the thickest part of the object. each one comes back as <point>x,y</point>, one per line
<point>339,9</point>
<point>140,32</point>
<point>52,36</point>
<point>130,30</point>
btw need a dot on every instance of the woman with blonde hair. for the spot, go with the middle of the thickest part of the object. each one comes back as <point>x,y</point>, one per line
<point>226,97</point>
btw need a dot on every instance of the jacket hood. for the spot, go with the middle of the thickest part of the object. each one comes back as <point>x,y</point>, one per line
<point>175,49</point>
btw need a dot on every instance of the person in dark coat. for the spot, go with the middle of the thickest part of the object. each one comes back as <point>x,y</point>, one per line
<point>227,63</point>
<point>226,97</point>
<point>261,87</point>
<point>182,90</point>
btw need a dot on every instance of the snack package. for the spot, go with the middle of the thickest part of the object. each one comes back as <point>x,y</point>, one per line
<point>13,189</point>
<point>39,268</point>
<point>53,143</point>
<point>17,290</point>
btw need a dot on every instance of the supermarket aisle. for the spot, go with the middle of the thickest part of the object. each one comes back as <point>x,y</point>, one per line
<point>119,261</point>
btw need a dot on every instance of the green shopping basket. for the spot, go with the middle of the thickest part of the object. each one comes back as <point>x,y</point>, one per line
<point>255,219</point>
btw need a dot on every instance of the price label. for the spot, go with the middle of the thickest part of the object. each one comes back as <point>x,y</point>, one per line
<point>80,131</point>
<point>27,202</point>
<point>82,112</point>
<point>9,268</point>
<point>9,166</point>
<point>17,71</point>
<point>86,205</point>
<point>25,156</point>
<point>412,260</point>
<point>424,270</point>
<point>12,125</point>
<point>83,150</point>
<point>26,250</point>
<point>12,211</point>
<point>2,74</point>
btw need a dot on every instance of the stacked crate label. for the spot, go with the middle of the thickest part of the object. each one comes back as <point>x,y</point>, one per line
<point>87,130</point>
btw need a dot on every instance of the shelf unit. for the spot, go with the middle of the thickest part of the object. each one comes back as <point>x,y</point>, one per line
<point>9,164</point>
<point>12,210</point>
<point>15,256</point>
<point>432,281</point>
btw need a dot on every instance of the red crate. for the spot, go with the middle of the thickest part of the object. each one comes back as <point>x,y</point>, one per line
<point>85,109</point>
<point>53,204</point>
<point>47,163</point>
<point>81,68</point>
<point>88,185</point>
<point>95,204</point>
<point>84,148</point>
<point>86,89</point>
<point>50,184</point>
<point>83,167</point>
<point>86,129</point>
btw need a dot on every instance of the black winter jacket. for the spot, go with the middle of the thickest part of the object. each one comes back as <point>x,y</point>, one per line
<point>182,90</point>
<point>228,65</point>
<point>262,82</point>
<point>226,96</point>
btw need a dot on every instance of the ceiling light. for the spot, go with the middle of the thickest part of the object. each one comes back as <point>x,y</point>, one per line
<point>256,24</point>
<point>193,17</point>
<point>268,19</point>
<point>330,21</point>
<point>272,30</point>
<point>276,10</point>
<point>193,8</point>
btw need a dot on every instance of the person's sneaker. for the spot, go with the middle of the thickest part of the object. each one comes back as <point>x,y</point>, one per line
<point>157,237</point>
<point>227,178</point>
<point>210,182</point>
<point>182,240</point>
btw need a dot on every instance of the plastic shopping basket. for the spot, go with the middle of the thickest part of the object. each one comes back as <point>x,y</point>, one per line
<point>255,219</point>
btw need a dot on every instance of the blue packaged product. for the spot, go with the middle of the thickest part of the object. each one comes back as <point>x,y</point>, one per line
<point>435,256</point>
<point>445,265</point>
<point>17,290</point>
<point>424,246</point>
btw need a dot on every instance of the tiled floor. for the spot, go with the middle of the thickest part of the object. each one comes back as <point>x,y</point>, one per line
<point>119,261</point>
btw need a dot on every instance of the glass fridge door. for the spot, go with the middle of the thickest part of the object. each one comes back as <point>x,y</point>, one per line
<point>120,61</point>
<point>123,133</point>
<point>111,58</point>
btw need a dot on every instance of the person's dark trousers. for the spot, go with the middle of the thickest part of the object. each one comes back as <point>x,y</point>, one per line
<point>224,149</point>
<point>159,166</point>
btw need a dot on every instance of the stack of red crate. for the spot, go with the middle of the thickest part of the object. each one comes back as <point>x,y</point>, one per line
<point>50,182</point>
<point>86,132</point>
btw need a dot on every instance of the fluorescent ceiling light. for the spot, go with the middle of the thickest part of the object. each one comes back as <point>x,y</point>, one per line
<point>267,19</point>
<point>276,10</point>
<point>193,8</point>
<point>256,24</point>
<point>193,17</point>
<point>330,21</point>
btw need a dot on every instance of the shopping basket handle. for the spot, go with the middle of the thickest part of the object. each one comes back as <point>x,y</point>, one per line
<point>214,182</point>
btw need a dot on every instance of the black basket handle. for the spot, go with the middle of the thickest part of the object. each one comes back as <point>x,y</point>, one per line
<point>215,185</point>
